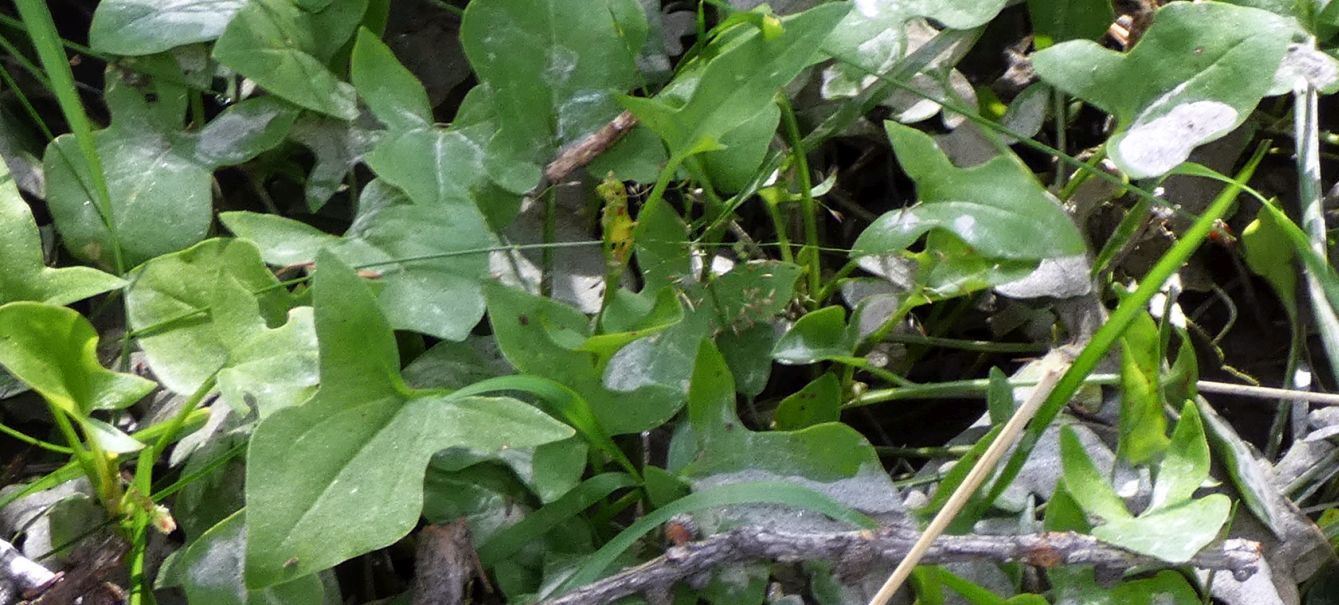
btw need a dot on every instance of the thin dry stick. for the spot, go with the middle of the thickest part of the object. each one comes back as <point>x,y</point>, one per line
<point>1254,392</point>
<point>853,552</point>
<point>1055,364</point>
<point>582,152</point>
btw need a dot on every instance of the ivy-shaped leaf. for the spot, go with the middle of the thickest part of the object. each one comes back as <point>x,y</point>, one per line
<point>1177,526</point>
<point>545,337</point>
<point>360,445</point>
<point>282,46</point>
<point>144,27</point>
<point>819,335</point>
<point>554,67</point>
<point>1193,77</point>
<point>158,175</point>
<point>54,350</point>
<point>998,208</point>
<point>830,457</point>
<point>432,260</point>
<point>737,84</point>
<point>209,309</point>
<point>23,273</point>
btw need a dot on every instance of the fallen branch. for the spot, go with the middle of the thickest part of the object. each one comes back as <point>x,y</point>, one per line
<point>855,552</point>
<point>582,152</point>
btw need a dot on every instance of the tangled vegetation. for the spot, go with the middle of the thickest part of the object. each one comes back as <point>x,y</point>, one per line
<point>573,301</point>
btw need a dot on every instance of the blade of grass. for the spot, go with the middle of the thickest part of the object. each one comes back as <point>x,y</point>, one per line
<point>1306,137</point>
<point>507,542</point>
<point>42,30</point>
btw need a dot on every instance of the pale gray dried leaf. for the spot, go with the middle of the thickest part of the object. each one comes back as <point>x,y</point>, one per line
<point>578,272</point>
<point>1063,277</point>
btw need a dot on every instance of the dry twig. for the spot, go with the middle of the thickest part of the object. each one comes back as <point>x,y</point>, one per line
<point>856,552</point>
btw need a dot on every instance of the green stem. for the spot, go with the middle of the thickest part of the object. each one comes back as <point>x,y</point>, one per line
<point>808,207</point>
<point>779,224</point>
<point>983,346</point>
<point>955,389</point>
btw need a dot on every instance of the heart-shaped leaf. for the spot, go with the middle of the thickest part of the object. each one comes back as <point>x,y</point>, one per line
<point>1193,77</point>
<point>282,45</point>
<point>553,66</point>
<point>359,447</point>
<point>53,350</point>
<point>209,309</point>
<point>159,176</point>
<point>737,84</point>
<point>23,274</point>
<point>998,208</point>
<point>432,260</point>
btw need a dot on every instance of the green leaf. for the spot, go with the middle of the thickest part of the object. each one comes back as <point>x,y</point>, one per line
<point>1193,77</point>
<point>1270,255</point>
<point>1063,513</point>
<point>544,337</point>
<point>998,208</point>
<point>360,445</point>
<point>210,571</point>
<point>434,166</point>
<point>818,402</point>
<point>660,243</point>
<point>738,83</point>
<point>208,309</point>
<point>510,540</point>
<point>553,66</point>
<point>282,241</point>
<point>1055,21</point>
<point>752,292</point>
<point>391,92</point>
<point>159,176</point>
<point>53,350</point>
<point>23,274</point>
<point>970,591</point>
<point>1143,425</point>
<point>756,492</point>
<point>144,27</point>
<point>820,455</point>
<point>1186,465</point>
<point>749,353</point>
<point>1085,483</point>
<point>432,261</point>
<point>819,335</point>
<point>273,42</point>
<point>1172,534</point>
<point>999,397</point>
